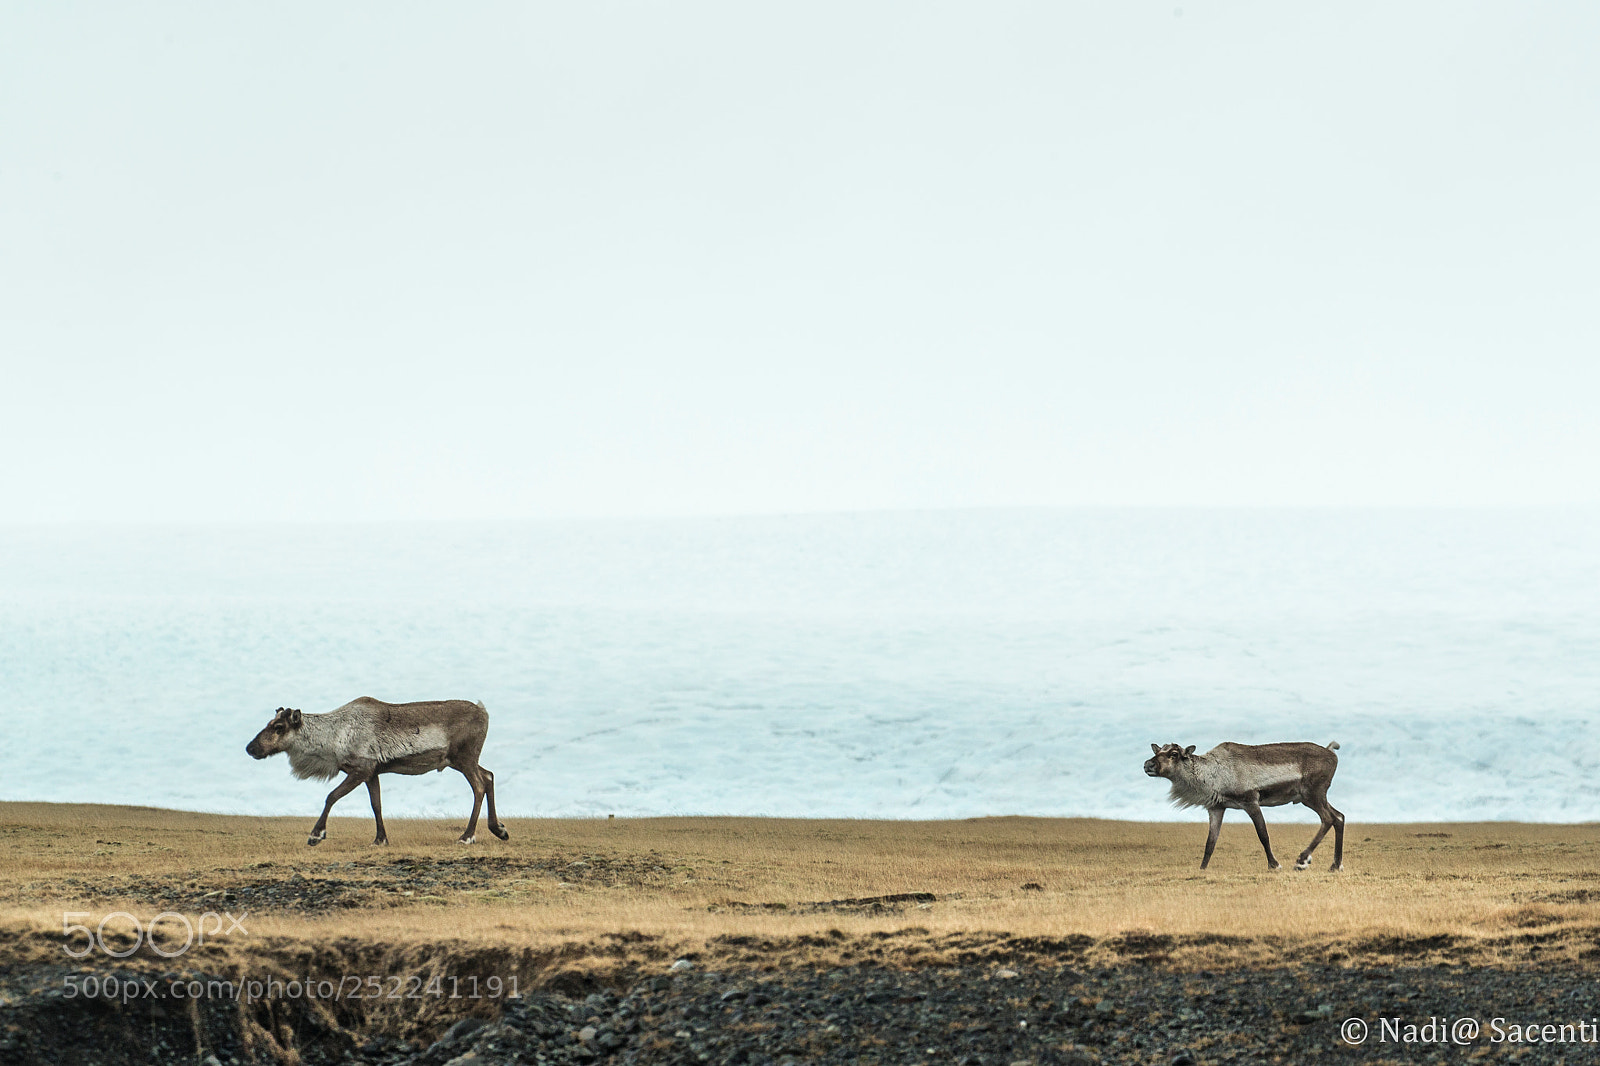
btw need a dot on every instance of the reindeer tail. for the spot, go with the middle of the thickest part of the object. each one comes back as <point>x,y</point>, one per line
<point>1333,745</point>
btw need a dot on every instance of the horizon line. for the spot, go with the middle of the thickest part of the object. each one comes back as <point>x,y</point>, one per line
<point>842,512</point>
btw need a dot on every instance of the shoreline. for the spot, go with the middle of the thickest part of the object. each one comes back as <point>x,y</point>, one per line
<point>28,810</point>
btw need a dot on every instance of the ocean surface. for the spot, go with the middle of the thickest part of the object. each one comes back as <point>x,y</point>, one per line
<point>900,665</point>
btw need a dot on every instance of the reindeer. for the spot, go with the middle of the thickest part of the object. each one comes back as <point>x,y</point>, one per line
<point>1252,776</point>
<point>367,737</point>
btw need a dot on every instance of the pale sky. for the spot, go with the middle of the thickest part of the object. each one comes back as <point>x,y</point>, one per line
<point>384,261</point>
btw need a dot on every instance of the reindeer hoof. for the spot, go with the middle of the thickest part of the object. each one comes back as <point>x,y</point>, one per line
<point>1337,867</point>
<point>500,831</point>
<point>1303,864</point>
<point>467,840</point>
<point>315,838</point>
<point>381,842</point>
<point>1275,866</point>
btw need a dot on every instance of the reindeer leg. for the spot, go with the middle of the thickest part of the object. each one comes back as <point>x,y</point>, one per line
<point>1338,839</point>
<point>470,835</point>
<point>377,809</point>
<point>1254,811</point>
<point>495,826</point>
<point>1211,837</point>
<point>1322,810</point>
<point>319,832</point>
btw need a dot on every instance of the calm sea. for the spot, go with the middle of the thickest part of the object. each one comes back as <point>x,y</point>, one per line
<point>904,665</point>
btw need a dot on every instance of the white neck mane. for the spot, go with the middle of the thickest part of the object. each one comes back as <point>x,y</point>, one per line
<point>1198,784</point>
<point>315,751</point>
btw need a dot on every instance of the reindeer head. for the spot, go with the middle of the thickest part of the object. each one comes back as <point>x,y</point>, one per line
<point>277,736</point>
<point>1166,760</point>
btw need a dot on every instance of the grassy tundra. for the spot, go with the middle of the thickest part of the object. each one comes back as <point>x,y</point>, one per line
<point>605,895</point>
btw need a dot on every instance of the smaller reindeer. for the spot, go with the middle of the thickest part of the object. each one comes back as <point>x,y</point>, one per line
<point>1249,777</point>
<point>367,737</point>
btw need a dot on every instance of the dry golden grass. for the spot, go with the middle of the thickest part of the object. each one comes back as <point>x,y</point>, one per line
<point>740,891</point>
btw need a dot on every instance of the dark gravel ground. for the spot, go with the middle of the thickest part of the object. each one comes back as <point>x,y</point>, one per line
<point>863,1015</point>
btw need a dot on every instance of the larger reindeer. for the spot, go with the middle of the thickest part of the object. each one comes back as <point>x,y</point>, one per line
<point>367,737</point>
<point>1249,777</point>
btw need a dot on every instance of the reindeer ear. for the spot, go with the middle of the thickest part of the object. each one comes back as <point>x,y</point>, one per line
<point>1186,751</point>
<point>295,719</point>
<point>1156,748</point>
